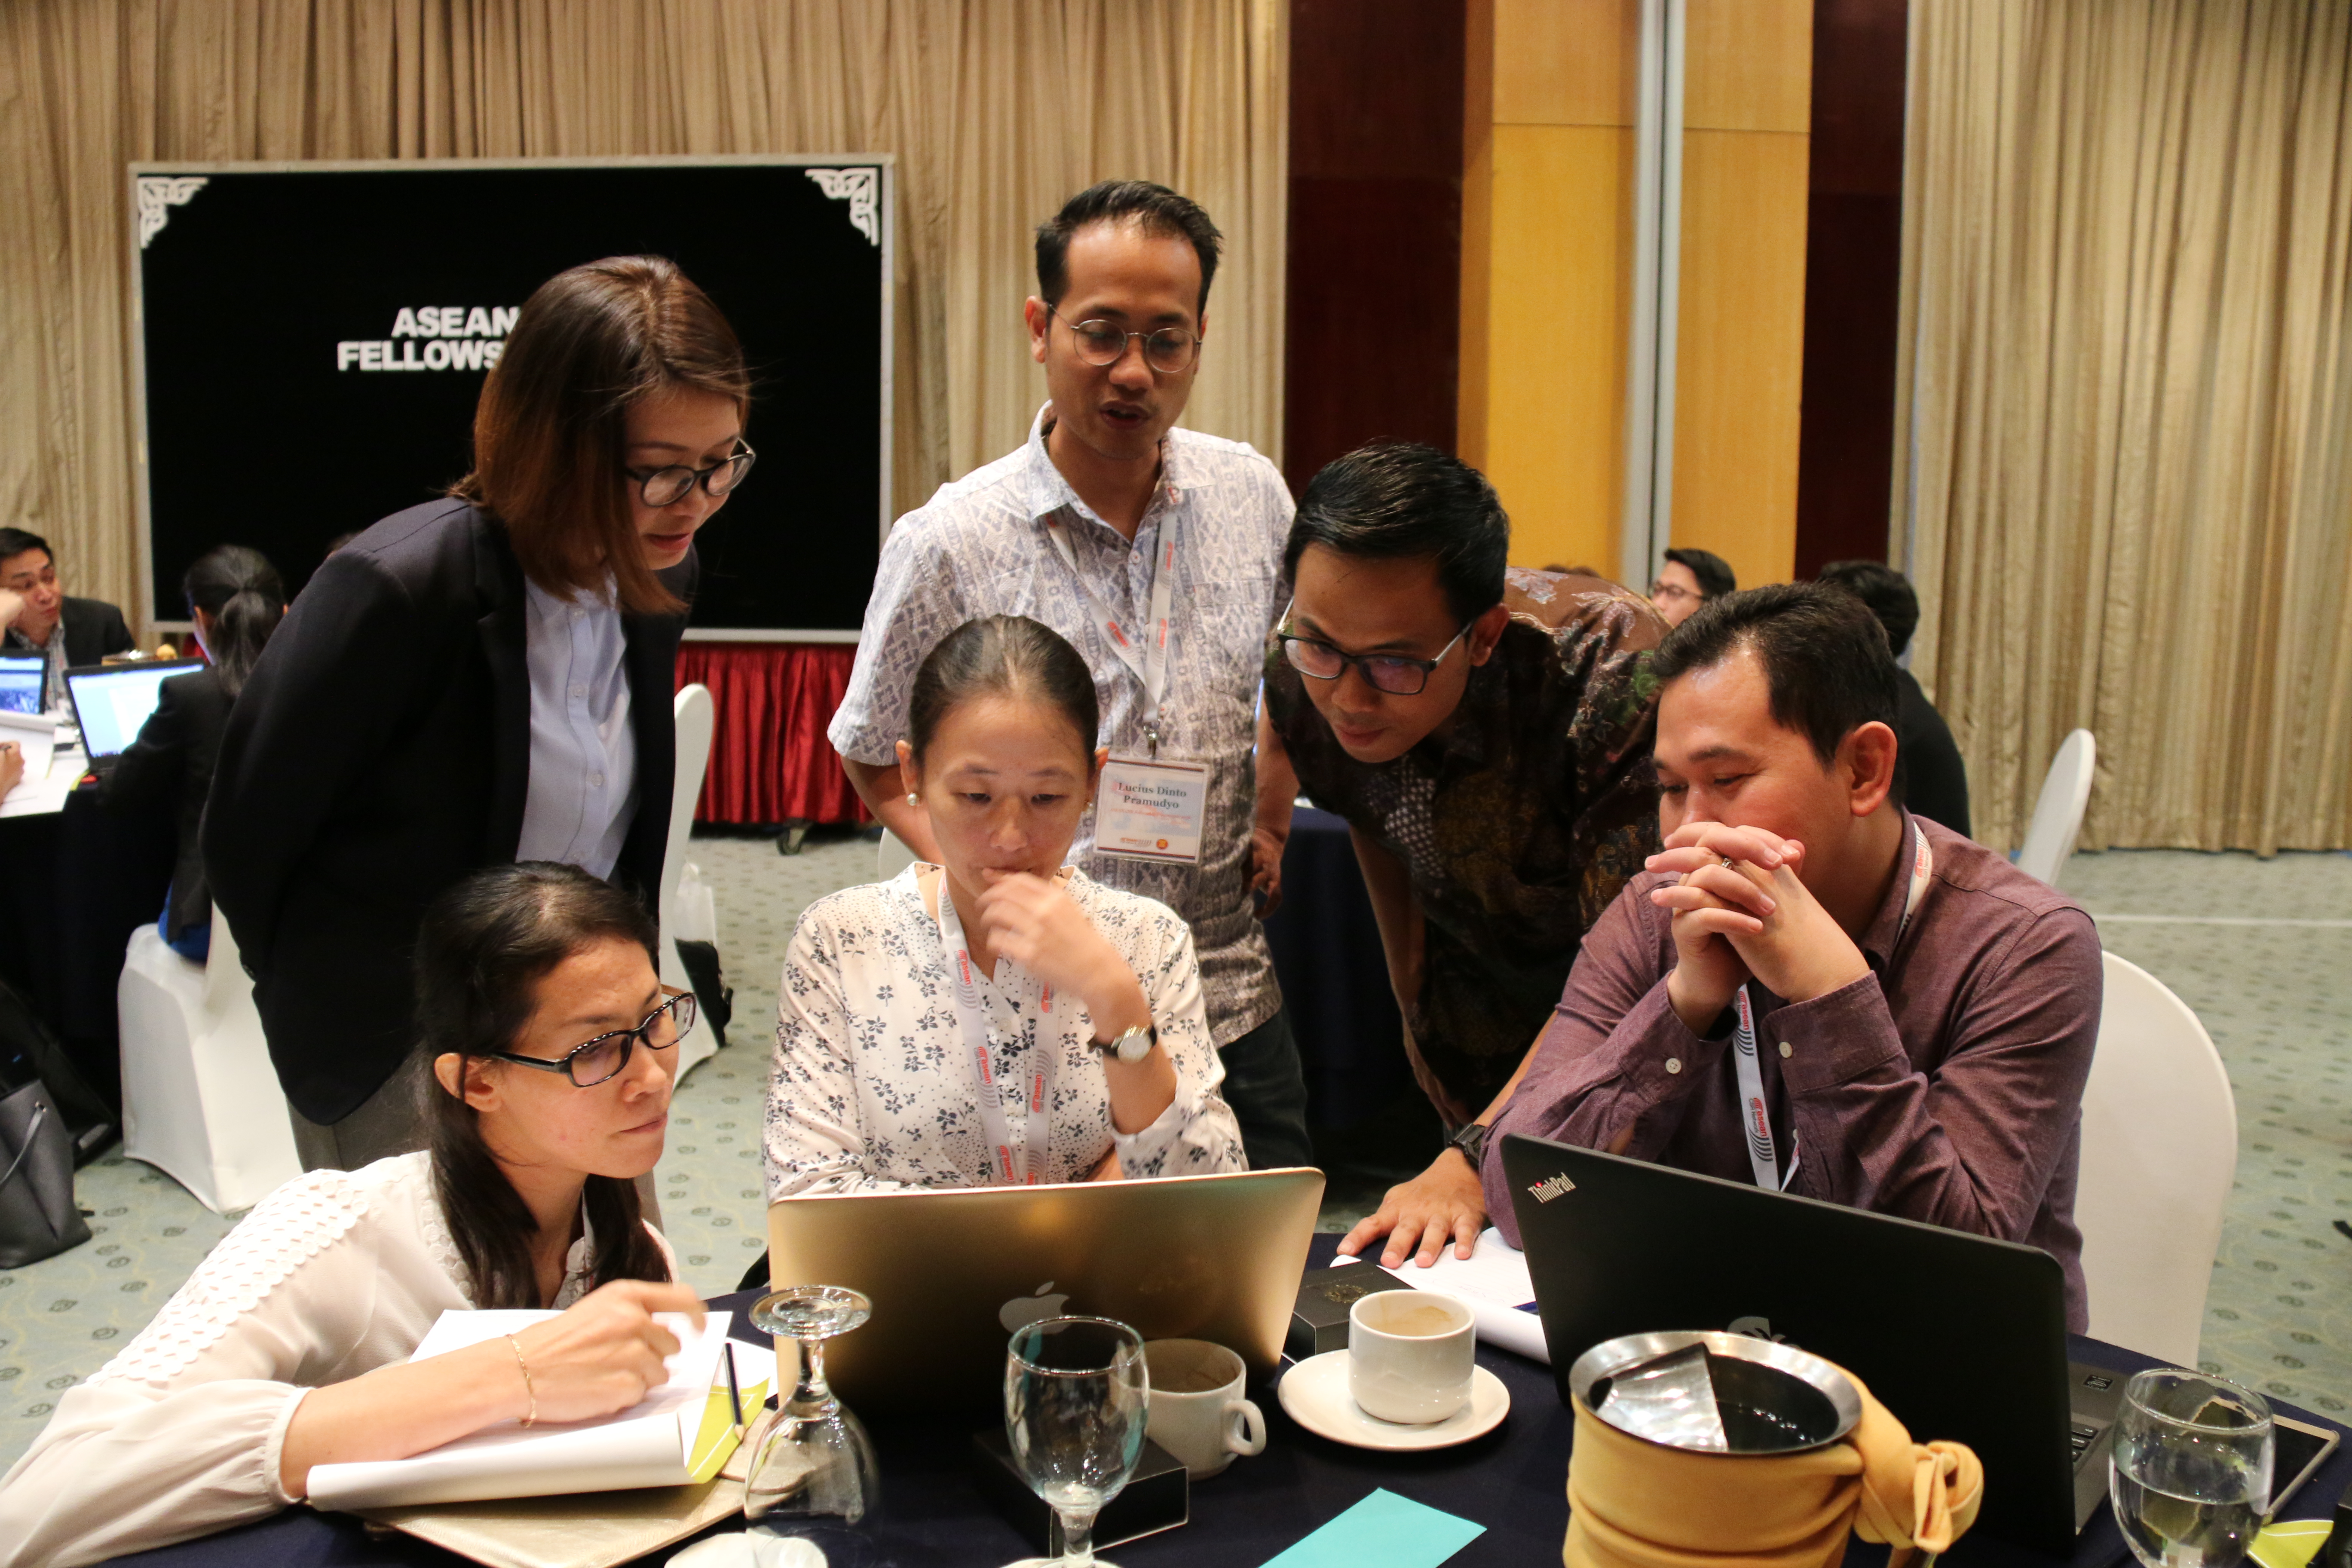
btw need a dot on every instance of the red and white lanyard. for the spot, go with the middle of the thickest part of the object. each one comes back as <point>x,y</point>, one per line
<point>1755,1114</point>
<point>1009,1165</point>
<point>1143,649</point>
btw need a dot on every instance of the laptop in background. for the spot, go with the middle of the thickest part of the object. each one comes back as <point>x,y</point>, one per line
<point>1962,1337</point>
<point>20,682</point>
<point>111,701</point>
<point>952,1272</point>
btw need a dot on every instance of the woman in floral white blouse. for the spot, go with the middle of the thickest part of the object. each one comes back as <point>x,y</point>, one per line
<point>1000,1018</point>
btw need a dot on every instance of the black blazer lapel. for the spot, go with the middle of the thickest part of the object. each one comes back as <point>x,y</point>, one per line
<point>503,644</point>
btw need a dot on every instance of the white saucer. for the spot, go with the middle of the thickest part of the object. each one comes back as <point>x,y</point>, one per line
<point>1315,1393</point>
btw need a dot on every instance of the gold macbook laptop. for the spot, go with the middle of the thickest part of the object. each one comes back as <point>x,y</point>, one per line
<point>952,1271</point>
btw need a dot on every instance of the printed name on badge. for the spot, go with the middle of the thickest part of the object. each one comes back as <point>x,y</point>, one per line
<point>1151,810</point>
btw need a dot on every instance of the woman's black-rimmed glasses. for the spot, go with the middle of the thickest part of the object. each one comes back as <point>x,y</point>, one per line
<point>593,1062</point>
<point>1391,673</point>
<point>667,487</point>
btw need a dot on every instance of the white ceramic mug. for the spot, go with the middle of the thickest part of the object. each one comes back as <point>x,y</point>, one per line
<point>1410,1355</point>
<point>1198,1413</point>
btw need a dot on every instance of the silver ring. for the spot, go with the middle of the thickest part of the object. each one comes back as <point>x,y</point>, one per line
<point>1729,861</point>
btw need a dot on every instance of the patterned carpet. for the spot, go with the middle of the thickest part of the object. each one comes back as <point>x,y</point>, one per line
<point>2261,949</point>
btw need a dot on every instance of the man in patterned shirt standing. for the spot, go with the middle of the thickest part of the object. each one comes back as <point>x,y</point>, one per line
<point>1158,552</point>
<point>1485,731</point>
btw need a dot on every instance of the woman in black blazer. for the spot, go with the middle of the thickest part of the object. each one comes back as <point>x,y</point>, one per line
<point>236,599</point>
<point>483,679</point>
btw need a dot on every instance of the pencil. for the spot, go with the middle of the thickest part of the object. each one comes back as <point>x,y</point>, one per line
<point>734,1392</point>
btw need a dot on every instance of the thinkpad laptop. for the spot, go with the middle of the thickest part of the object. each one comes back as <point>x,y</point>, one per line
<point>1962,1337</point>
<point>952,1272</point>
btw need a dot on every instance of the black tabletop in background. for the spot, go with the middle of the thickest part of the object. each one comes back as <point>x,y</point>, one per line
<point>1512,1481</point>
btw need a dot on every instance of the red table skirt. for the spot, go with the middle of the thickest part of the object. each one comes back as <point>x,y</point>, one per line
<point>770,761</point>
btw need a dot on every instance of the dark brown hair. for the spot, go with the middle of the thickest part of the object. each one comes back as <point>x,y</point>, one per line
<point>1001,656</point>
<point>1157,211</point>
<point>1827,668</point>
<point>241,591</point>
<point>484,947</point>
<point>552,424</point>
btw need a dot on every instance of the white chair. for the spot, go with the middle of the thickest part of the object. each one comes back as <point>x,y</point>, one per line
<point>200,1101</point>
<point>2160,1150</point>
<point>696,717</point>
<point>892,858</point>
<point>2058,815</point>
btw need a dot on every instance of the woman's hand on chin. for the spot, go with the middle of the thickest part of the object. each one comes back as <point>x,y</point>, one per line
<point>1034,924</point>
<point>605,1352</point>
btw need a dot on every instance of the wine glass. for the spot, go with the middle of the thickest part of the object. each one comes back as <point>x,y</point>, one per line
<point>809,1495</point>
<point>1075,1398</point>
<point>2190,1474</point>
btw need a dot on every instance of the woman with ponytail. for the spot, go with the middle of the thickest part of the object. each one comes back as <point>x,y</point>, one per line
<point>548,1043</point>
<point>237,600</point>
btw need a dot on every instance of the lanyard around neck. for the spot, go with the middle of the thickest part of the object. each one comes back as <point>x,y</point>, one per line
<point>1008,1165</point>
<point>1144,648</point>
<point>1755,1115</point>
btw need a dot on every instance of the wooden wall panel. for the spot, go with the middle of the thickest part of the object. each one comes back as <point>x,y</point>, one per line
<point>1747,65</point>
<point>1740,359</point>
<point>1566,62</point>
<point>1376,158</point>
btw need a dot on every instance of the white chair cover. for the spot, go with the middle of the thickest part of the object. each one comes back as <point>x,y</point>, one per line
<point>200,1101</point>
<point>893,857</point>
<point>696,717</point>
<point>2058,812</point>
<point>2159,1149</point>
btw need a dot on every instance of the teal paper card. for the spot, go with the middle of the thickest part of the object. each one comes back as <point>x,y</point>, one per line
<point>1384,1531</point>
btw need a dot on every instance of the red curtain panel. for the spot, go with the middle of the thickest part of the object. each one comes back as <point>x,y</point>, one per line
<point>770,761</point>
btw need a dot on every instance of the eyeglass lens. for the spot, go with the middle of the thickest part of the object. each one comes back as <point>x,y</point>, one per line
<point>1167,351</point>
<point>1397,676</point>
<point>664,487</point>
<point>605,1057</point>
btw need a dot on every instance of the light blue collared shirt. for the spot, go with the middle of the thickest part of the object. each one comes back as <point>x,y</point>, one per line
<point>583,754</point>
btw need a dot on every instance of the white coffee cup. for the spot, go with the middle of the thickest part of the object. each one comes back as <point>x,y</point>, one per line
<point>1410,1353</point>
<point>1198,1413</point>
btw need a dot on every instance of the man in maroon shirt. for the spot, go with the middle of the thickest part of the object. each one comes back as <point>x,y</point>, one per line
<point>1811,989</point>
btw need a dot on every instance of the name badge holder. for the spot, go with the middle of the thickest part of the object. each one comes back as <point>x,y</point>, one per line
<point>1149,808</point>
<point>1009,1164</point>
<point>1755,1116</point>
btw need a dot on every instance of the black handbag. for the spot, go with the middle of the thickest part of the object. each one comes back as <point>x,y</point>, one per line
<point>38,1217</point>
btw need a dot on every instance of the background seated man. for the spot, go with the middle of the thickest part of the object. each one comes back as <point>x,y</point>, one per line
<point>1930,777</point>
<point>1688,579</point>
<point>38,616</point>
<point>1922,1013</point>
<point>1485,732</point>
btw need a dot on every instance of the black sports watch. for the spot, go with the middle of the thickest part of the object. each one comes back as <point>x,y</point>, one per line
<point>1472,1142</point>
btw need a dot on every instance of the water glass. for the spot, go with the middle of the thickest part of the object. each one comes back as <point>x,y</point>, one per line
<point>810,1493</point>
<point>2191,1473</point>
<point>1076,1399</point>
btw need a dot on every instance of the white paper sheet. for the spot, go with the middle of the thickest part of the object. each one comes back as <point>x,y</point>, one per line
<point>36,736</point>
<point>1493,1282</point>
<point>644,1446</point>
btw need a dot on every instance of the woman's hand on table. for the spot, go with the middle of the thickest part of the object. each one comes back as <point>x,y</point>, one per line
<point>12,766</point>
<point>604,1353</point>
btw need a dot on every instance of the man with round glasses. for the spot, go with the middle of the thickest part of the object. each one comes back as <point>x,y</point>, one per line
<point>1156,552</point>
<point>1485,731</point>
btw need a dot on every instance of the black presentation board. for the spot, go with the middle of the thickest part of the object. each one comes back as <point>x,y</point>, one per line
<point>313,340</point>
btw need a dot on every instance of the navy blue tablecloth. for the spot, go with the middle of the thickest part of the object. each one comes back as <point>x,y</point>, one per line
<point>1512,1481</point>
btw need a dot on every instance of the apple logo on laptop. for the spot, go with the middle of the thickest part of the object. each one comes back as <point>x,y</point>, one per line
<point>1022,1310</point>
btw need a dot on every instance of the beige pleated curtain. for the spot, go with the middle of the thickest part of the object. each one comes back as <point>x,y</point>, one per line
<point>2127,407</point>
<point>996,109</point>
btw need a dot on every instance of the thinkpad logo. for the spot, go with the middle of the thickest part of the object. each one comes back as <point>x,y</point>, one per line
<point>1545,1191</point>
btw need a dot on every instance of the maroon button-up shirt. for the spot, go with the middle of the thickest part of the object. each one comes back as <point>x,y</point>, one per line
<point>1945,1085</point>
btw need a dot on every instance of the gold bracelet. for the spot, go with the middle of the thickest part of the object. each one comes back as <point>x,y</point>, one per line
<point>524,1367</point>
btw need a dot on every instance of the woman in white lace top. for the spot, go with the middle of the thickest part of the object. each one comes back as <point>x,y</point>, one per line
<point>289,1345</point>
<point>1000,1017</point>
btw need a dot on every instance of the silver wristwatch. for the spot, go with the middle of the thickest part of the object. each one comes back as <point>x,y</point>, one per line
<point>1133,1046</point>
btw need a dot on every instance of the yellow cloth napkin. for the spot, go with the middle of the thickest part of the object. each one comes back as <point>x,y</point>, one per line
<point>1636,1504</point>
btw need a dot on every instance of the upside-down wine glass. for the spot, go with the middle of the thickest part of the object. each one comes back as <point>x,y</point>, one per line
<point>2190,1474</point>
<point>1076,1399</point>
<point>810,1493</point>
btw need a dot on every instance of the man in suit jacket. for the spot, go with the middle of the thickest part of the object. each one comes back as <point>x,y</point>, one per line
<point>380,750</point>
<point>38,616</point>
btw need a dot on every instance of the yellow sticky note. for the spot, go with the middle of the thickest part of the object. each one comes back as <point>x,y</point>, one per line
<point>2291,1543</point>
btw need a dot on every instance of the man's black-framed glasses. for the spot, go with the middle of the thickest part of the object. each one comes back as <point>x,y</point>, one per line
<point>593,1062</point>
<point>1167,350</point>
<point>667,487</point>
<point>1397,675</point>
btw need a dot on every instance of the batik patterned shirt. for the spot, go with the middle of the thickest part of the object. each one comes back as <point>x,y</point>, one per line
<point>1517,822</point>
<point>871,1089</point>
<point>978,547</point>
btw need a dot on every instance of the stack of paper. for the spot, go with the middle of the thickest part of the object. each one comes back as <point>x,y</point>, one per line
<point>681,1432</point>
<point>36,736</point>
<point>1493,1282</point>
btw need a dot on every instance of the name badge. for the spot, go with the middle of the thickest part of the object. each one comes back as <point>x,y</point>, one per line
<point>1151,810</point>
